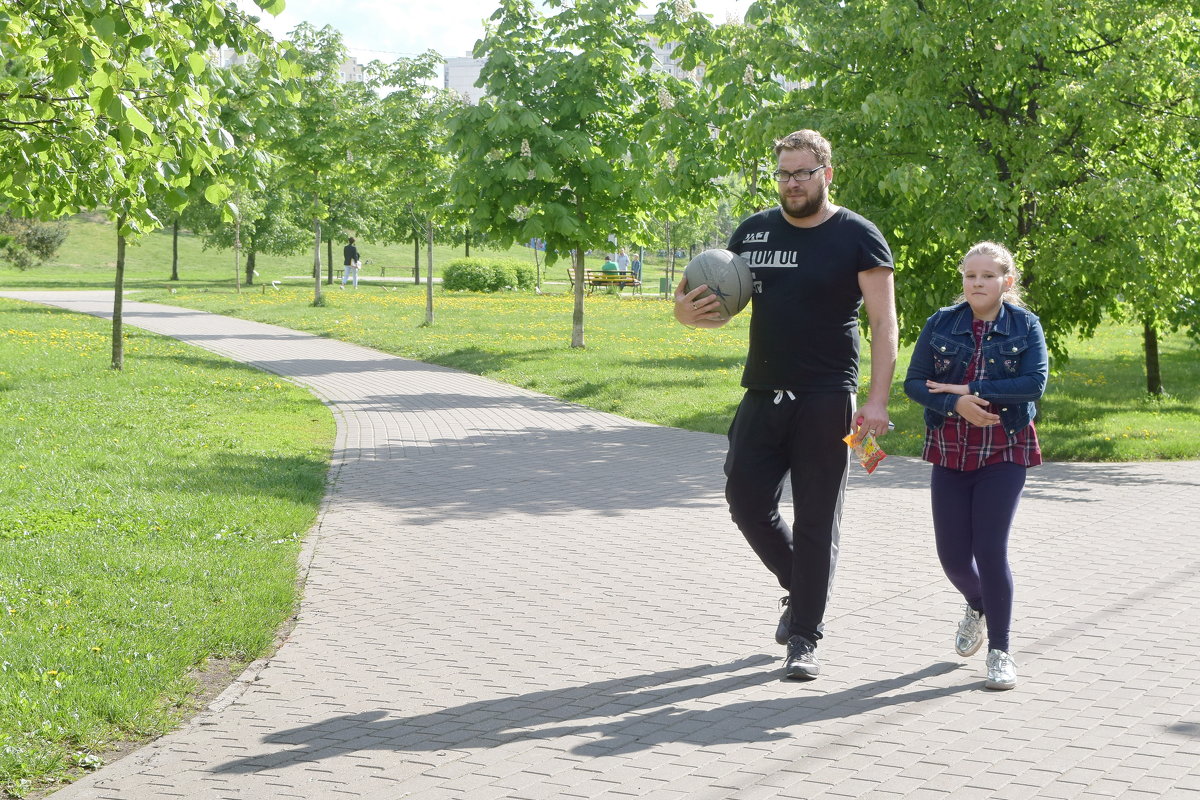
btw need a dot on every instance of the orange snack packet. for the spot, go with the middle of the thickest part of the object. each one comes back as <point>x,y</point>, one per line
<point>866,448</point>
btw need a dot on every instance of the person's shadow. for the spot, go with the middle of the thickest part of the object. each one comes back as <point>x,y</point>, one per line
<point>623,715</point>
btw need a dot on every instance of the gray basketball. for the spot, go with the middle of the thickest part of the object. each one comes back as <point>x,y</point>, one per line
<point>727,275</point>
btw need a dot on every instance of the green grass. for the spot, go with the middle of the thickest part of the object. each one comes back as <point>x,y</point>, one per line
<point>639,363</point>
<point>88,257</point>
<point>151,519</point>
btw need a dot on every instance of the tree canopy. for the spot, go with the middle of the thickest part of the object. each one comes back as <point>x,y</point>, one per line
<point>1068,131</point>
<point>105,104</point>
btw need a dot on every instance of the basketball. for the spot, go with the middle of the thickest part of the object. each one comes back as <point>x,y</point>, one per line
<point>727,275</point>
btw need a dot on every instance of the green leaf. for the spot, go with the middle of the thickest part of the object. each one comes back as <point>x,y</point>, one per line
<point>177,199</point>
<point>138,120</point>
<point>217,193</point>
<point>66,74</point>
<point>272,7</point>
<point>106,28</point>
<point>197,62</point>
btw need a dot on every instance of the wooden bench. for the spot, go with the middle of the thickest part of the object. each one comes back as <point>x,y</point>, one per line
<point>621,279</point>
<point>598,278</point>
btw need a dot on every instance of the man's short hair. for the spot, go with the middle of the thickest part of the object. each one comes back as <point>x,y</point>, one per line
<point>808,140</point>
<point>351,240</point>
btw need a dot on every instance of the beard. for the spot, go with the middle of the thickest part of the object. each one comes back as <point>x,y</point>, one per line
<point>803,205</point>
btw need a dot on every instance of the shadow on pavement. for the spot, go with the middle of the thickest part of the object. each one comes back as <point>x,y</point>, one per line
<point>624,715</point>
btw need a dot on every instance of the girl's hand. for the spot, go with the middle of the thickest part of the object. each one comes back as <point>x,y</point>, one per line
<point>946,388</point>
<point>971,408</point>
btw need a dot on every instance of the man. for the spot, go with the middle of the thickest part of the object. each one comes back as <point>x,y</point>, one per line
<point>622,260</point>
<point>350,263</point>
<point>814,264</point>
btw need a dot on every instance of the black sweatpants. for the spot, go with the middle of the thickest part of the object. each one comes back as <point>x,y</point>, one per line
<point>774,433</point>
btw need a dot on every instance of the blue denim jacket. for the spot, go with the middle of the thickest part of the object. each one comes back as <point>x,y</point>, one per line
<point>1015,364</point>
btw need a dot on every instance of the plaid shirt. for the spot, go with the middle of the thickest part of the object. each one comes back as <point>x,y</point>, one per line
<point>959,445</point>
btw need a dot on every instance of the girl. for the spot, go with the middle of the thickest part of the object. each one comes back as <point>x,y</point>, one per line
<point>977,369</point>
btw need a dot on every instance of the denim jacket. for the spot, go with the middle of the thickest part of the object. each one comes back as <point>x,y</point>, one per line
<point>1015,364</point>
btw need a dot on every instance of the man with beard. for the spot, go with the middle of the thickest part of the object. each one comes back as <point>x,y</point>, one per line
<point>814,265</point>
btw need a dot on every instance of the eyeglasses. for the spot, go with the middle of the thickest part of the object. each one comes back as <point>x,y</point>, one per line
<point>801,175</point>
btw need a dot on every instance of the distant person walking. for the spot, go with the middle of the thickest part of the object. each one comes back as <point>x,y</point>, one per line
<point>978,368</point>
<point>350,262</point>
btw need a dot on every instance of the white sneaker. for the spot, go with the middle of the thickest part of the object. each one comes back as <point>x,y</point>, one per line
<point>970,632</point>
<point>1002,672</point>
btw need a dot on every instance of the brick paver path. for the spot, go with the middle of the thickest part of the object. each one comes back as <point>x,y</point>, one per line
<point>513,597</point>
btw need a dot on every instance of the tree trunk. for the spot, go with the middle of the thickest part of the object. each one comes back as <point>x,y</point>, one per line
<point>671,255</point>
<point>250,259</point>
<point>329,257</point>
<point>317,300</point>
<point>1153,368</point>
<point>537,267</point>
<point>577,313</point>
<point>237,253</point>
<point>429,272</point>
<point>118,339</point>
<point>417,260</point>
<point>175,249</point>
<point>467,239</point>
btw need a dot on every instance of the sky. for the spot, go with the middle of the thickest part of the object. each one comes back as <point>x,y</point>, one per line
<point>386,31</point>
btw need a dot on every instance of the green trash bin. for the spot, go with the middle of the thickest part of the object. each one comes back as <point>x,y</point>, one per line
<point>664,286</point>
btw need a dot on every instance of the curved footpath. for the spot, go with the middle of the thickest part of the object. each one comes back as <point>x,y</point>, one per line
<point>509,596</point>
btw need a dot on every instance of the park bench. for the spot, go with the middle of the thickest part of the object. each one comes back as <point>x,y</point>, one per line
<point>597,278</point>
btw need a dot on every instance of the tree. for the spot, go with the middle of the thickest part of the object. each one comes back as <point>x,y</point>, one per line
<point>108,106</point>
<point>316,136</point>
<point>564,145</point>
<point>1067,130</point>
<point>408,129</point>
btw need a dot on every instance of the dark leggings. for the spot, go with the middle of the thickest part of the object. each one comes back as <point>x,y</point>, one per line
<point>972,515</point>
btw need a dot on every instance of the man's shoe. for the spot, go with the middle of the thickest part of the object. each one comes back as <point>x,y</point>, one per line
<point>802,661</point>
<point>783,630</point>
<point>1002,672</point>
<point>970,632</point>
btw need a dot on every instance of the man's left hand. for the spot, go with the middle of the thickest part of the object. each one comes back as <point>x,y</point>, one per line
<point>873,418</point>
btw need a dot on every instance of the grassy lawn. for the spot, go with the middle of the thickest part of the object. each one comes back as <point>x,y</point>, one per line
<point>639,363</point>
<point>88,256</point>
<point>151,519</point>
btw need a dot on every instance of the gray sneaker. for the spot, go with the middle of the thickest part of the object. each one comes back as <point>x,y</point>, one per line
<point>785,621</point>
<point>970,632</point>
<point>801,661</point>
<point>1002,671</point>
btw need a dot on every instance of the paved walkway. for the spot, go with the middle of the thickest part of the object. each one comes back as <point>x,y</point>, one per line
<point>513,597</point>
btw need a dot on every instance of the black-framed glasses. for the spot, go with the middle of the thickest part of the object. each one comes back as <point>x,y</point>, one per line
<point>801,175</point>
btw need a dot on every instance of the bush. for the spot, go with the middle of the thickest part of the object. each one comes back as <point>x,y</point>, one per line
<point>25,243</point>
<point>487,275</point>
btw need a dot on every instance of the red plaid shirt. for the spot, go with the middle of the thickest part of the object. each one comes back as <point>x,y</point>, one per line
<point>960,445</point>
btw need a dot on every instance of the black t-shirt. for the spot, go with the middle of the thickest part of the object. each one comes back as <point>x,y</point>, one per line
<point>804,323</point>
<point>349,255</point>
